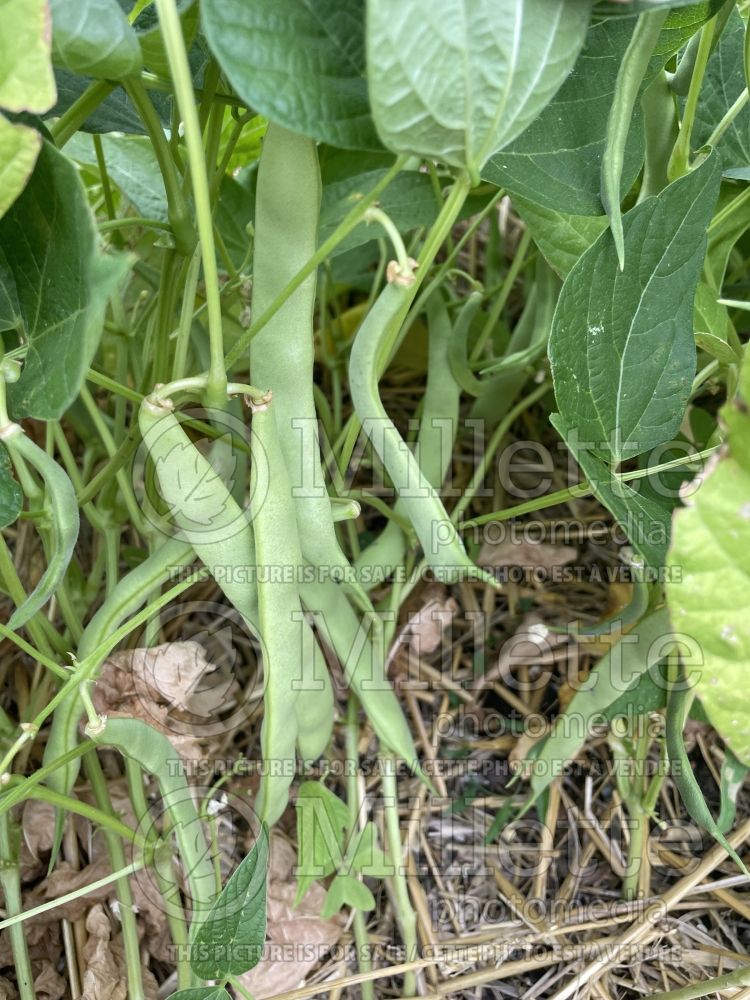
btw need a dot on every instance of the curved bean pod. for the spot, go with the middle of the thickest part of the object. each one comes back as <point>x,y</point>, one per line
<point>434,449</point>
<point>155,754</point>
<point>131,592</point>
<point>682,772</point>
<point>64,514</point>
<point>458,354</point>
<point>441,543</point>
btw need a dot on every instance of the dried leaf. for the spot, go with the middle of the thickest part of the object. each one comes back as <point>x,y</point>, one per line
<point>530,555</point>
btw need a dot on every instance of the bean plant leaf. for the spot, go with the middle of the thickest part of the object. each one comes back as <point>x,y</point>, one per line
<point>556,162</point>
<point>723,83</point>
<point>26,82</point>
<point>622,348</point>
<point>709,576</point>
<point>300,63</point>
<point>346,890</point>
<point>682,23</point>
<point>626,8</point>
<point>230,938</point>
<point>562,238</point>
<point>11,495</point>
<point>131,165</point>
<point>322,819</point>
<point>114,114</point>
<point>460,80</point>
<point>19,148</point>
<point>95,38</point>
<point>54,285</point>
<point>643,518</point>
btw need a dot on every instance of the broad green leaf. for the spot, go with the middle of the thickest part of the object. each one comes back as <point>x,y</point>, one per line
<point>346,890</point>
<point>367,855</point>
<point>645,520</point>
<point>409,200</point>
<point>201,993</point>
<point>114,114</point>
<point>94,37</point>
<point>708,586</point>
<point>622,348</point>
<point>230,938</point>
<point>19,148</point>
<point>11,496</point>
<point>131,165</point>
<point>714,332</point>
<point>723,83</point>
<point>460,80</point>
<point>26,79</point>
<point>322,819</point>
<point>614,674</point>
<point>626,8</point>
<point>556,162</point>
<point>682,23</point>
<point>300,63</point>
<point>562,238</point>
<point>54,285</point>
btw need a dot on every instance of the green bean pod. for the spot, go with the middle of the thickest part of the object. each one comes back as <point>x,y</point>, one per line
<point>458,350</point>
<point>630,75</point>
<point>221,535</point>
<point>131,592</point>
<point>201,507</point>
<point>365,673</point>
<point>155,754</point>
<point>279,613</point>
<point>64,516</point>
<point>442,546</point>
<point>682,772</point>
<point>434,449</point>
<point>282,354</point>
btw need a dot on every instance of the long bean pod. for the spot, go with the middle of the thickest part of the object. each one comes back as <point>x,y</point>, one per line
<point>630,76</point>
<point>434,448</point>
<point>442,546</point>
<point>155,754</point>
<point>64,517</point>
<point>690,791</point>
<point>282,354</point>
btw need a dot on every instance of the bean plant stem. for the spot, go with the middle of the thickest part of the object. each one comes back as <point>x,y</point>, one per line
<point>582,489</point>
<point>11,884</point>
<point>680,160</point>
<point>174,44</point>
<point>406,917</point>
<point>69,897</point>
<point>728,118</point>
<point>361,938</point>
<point>177,209</point>
<point>717,985</point>
<point>69,123</point>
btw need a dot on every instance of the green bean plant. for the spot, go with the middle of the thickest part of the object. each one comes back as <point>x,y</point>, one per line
<point>224,225</point>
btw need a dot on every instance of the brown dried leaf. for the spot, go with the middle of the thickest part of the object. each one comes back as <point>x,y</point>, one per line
<point>530,555</point>
<point>102,980</point>
<point>48,984</point>
<point>298,938</point>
